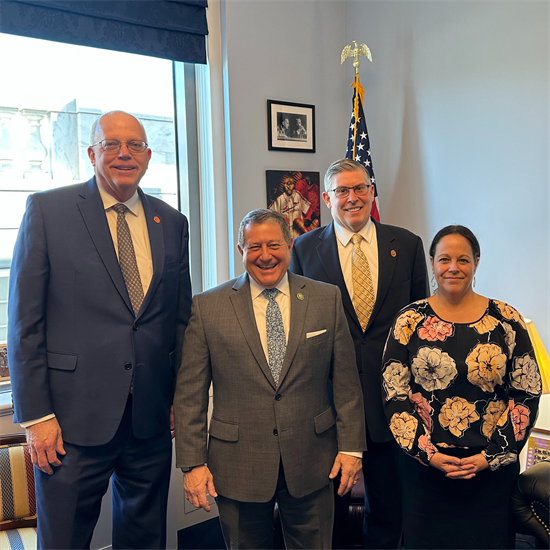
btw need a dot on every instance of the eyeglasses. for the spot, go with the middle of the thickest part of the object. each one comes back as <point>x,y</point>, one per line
<point>343,192</point>
<point>113,145</point>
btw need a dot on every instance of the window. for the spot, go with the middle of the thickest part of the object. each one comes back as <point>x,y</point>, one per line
<point>50,94</point>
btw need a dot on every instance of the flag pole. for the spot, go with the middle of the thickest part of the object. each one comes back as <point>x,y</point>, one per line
<point>355,52</point>
<point>358,143</point>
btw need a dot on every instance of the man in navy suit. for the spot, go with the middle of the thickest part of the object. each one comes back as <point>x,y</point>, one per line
<point>99,300</point>
<point>399,276</point>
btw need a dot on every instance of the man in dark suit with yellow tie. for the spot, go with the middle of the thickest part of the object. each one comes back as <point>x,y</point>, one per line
<point>99,300</point>
<point>379,269</point>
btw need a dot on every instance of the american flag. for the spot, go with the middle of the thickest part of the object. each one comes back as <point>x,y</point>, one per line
<point>361,152</point>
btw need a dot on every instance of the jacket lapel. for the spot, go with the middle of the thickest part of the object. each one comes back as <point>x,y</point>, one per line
<point>242,304</point>
<point>298,309</point>
<point>92,211</point>
<point>156,240</point>
<point>327,251</point>
<point>387,256</point>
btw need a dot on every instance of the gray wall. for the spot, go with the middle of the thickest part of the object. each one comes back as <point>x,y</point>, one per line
<point>287,51</point>
<point>457,106</point>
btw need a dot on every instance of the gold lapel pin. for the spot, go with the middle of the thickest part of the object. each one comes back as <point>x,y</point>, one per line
<point>157,219</point>
<point>393,253</point>
<point>300,296</point>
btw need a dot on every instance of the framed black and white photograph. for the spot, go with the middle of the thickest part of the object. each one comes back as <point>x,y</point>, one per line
<point>290,126</point>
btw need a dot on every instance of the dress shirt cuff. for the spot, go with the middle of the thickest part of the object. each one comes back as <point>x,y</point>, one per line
<point>355,454</point>
<point>30,423</point>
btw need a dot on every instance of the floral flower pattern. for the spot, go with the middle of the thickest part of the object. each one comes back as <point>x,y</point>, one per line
<point>496,414</point>
<point>470,385</point>
<point>434,329</point>
<point>403,427</point>
<point>519,414</point>
<point>486,366</point>
<point>497,461</point>
<point>396,378</point>
<point>457,414</point>
<point>405,325</point>
<point>525,375</point>
<point>486,324</point>
<point>433,369</point>
<point>508,312</point>
<point>509,338</point>
<point>423,409</point>
<point>427,446</point>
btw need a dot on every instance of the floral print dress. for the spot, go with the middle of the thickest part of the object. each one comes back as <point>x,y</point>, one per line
<point>468,385</point>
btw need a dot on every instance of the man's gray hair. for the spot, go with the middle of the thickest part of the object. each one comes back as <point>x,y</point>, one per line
<point>344,165</point>
<point>95,131</point>
<point>260,216</point>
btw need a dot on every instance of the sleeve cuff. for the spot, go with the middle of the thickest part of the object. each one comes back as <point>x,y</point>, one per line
<point>30,423</point>
<point>353,453</point>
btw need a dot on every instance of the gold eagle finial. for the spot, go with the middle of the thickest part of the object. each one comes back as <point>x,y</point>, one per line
<point>363,50</point>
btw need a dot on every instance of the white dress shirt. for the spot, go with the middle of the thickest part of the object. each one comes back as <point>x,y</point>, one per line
<point>369,246</point>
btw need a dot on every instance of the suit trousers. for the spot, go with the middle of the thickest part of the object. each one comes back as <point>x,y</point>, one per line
<point>69,501</point>
<point>306,521</point>
<point>382,472</point>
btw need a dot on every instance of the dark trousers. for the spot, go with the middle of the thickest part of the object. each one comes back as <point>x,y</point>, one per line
<point>382,467</point>
<point>383,517</point>
<point>69,501</point>
<point>306,521</point>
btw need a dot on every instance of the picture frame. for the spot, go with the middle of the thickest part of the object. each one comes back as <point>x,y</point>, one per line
<point>297,196</point>
<point>536,449</point>
<point>4,372</point>
<point>290,126</point>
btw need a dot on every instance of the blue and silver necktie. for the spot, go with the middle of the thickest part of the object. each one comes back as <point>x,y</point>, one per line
<point>276,340</point>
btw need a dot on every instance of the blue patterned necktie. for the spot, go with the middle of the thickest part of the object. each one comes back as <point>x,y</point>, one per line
<point>276,340</point>
<point>127,258</point>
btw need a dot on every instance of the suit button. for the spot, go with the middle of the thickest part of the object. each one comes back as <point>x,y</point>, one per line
<point>363,341</point>
<point>275,432</point>
<point>360,372</point>
<point>278,397</point>
<point>128,366</point>
<point>135,327</point>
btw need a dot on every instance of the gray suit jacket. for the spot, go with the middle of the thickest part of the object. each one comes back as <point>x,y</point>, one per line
<point>255,425</point>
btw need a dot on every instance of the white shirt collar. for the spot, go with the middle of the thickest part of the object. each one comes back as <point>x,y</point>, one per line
<point>344,235</point>
<point>133,203</point>
<point>256,289</point>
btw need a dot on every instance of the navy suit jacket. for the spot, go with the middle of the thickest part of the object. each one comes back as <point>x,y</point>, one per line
<point>74,343</point>
<point>402,279</point>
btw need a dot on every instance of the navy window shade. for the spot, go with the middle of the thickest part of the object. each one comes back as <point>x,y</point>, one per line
<point>170,29</point>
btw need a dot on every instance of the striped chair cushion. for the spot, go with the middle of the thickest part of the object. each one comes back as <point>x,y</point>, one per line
<point>17,500</point>
<point>18,539</point>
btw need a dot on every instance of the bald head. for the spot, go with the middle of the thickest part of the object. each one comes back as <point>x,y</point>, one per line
<point>96,126</point>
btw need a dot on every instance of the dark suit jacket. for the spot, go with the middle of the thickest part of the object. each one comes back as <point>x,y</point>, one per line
<point>254,424</point>
<point>73,340</point>
<point>402,279</point>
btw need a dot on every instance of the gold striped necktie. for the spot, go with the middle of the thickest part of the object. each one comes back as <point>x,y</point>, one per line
<point>363,289</point>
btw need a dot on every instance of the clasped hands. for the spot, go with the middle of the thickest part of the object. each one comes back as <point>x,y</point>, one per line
<point>199,480</point>
<point>459,468</point>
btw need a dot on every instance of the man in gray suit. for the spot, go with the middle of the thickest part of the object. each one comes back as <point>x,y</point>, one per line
<point>271,343</point>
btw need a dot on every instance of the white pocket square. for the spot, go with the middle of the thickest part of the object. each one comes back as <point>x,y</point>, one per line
<point>316,333</point>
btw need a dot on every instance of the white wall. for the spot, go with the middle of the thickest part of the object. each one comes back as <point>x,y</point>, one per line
<point>289,51</point>
<point>457,107</point>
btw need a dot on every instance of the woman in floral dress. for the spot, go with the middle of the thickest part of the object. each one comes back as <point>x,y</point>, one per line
<point>462,388</point>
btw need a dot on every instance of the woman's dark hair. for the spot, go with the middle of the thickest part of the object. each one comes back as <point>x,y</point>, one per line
<point>456,230</point>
